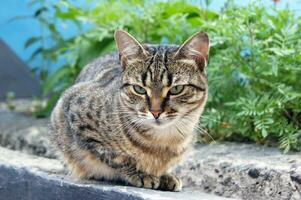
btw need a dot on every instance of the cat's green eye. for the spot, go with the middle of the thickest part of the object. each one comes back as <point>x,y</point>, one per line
<point>139,89</point>
<point>175,90</point>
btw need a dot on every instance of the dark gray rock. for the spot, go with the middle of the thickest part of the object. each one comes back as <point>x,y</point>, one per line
<point>296,177</point>
<point>34,178</point>
<point>254,173</point>
<point>15,76</point>
<point>25,133</point>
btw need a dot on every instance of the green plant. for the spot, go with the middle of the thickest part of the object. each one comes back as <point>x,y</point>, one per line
<point>255,59</point>
<point>10,96</point>
<point>253,77</point>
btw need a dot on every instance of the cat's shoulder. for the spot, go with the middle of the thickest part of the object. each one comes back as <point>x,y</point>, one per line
<point>91,71</point>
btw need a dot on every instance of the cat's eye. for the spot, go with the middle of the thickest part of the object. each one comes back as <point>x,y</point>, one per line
<point>175,90</point>
<point>139,89</point>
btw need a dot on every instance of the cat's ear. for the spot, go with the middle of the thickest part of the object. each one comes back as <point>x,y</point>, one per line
<point>196,47</point>
<point>128,47</point>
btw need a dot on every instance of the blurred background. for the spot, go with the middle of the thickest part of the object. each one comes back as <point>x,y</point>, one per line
<point>255,60</point>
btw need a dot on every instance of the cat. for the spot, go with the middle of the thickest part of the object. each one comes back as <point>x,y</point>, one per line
<point>130,115</point>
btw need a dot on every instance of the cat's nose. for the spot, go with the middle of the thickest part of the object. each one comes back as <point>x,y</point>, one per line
<point>156,113</point>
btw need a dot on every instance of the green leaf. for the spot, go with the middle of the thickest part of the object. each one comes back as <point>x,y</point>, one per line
<point>38,51</point>
<point>264,133</point>
<point>51,82</point>
<point>31,41</point>
<point>39,11</point>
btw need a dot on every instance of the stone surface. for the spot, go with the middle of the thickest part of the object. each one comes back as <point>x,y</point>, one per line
<point>244,171</point>
<point>25,133</point>
<point>29,177</point>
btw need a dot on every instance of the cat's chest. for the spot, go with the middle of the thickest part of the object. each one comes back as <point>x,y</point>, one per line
<point>157,156</point>
<point>158,162</point>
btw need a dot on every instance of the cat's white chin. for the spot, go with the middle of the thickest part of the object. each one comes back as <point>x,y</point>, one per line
<point>163,122</point>
<point>159,123</point>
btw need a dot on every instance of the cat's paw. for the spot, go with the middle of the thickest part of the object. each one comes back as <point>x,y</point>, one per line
<point>169,182</point>
<point>145,181</point>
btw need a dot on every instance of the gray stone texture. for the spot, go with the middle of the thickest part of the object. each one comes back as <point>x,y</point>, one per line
<point>19,131</point>
<point>243,171</point>
<point>29,177</point>
<point>15,76</point>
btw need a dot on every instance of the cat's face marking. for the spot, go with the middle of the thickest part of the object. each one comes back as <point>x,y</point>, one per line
<point>161,84</point>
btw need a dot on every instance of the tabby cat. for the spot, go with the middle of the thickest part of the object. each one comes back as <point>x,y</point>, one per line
<point>131,119</point>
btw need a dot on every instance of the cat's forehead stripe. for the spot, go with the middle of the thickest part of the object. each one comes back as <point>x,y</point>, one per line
<point>160,71</point>
<point>147,76</point>
<point>157,69</point>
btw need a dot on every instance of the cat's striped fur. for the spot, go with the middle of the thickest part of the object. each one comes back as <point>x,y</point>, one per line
<point>104,129</point>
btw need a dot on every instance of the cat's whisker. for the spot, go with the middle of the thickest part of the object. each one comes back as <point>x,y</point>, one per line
<point>202,130</point>
<point>123,126</point>
<point>210,119</point>
<point>180,131</point>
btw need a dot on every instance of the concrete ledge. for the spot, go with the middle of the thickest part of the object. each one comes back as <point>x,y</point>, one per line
<point>34,178</point>
<point>243,171</point>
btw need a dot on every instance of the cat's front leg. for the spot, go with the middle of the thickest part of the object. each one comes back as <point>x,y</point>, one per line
<point>127,171</point>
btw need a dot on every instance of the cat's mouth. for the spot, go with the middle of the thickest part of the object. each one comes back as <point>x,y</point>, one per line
<point>159,123</point>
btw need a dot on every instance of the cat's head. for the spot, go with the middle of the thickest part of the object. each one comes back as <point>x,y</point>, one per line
<point>163,83</point>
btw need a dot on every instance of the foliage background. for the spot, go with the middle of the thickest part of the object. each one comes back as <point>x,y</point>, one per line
<point>255,57</point>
